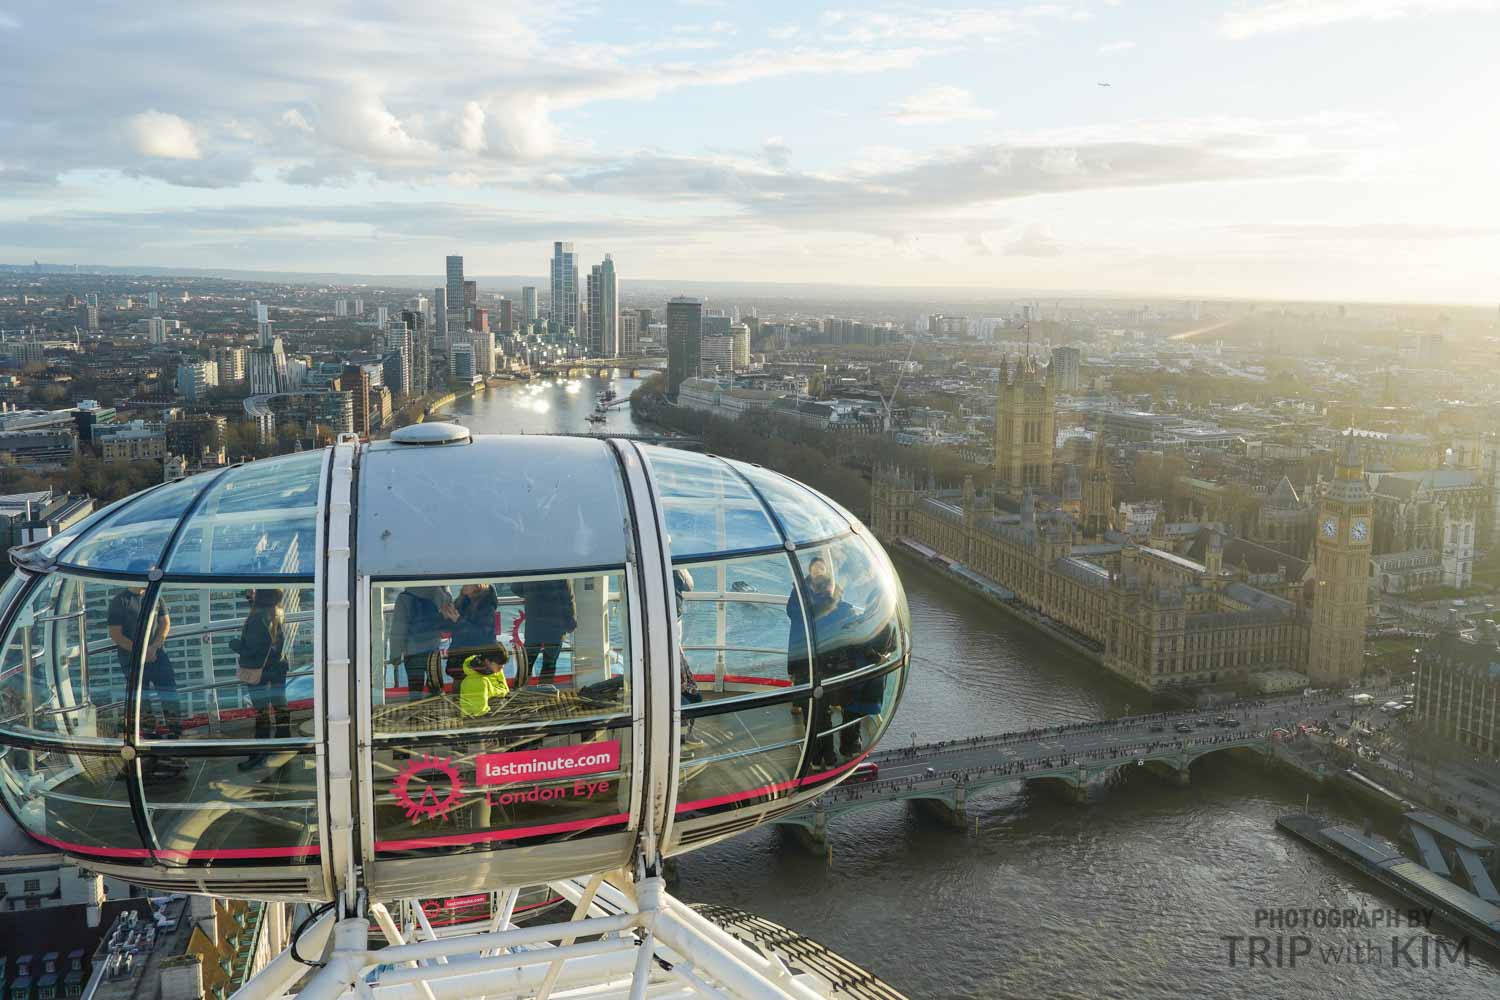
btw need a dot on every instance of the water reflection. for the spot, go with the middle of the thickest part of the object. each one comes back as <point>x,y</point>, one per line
<point>550,406</point>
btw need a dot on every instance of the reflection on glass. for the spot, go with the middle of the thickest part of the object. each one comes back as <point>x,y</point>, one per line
<point>258,519</point>
<point>139,531</point>
<point>236,663</point>
<point>800,512</point>
<point>851,605</point>
<point>708,508</point>
<point>849,718</point>
<point>52,547</point>
<point>499,652</point>
<point>71,800</point>
<point>61,673</point>
<point>738,619</point>
<point>205,809</point>
<point>501,789</point>
<point>735,759</point>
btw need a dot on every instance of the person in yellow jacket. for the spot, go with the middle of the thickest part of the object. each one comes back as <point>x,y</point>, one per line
<point>483,681</point>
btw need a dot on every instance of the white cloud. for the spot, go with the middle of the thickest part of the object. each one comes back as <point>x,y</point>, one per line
<point>1300,15</point>
<point>776,151</point>
<point>1124,45</point>
<point>7,22</point>
<point>1034,241</point>
<point>910,24</point>
<point>471,128</point>
<point>408,93</point>
<point>891,191</point>
<point>163,136</point>
<point>936,105</point>
<point>292,118</point>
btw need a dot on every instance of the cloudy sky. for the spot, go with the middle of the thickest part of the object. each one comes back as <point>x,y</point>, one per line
<point>1335,149</point>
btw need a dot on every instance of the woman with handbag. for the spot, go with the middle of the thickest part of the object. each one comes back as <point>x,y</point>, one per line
<point>263,669</point>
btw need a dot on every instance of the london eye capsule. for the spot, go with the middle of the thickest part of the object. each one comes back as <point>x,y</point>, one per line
<point>439,663</point>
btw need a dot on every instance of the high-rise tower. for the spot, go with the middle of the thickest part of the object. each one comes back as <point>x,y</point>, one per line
<point>684,341</point>
<point>1025,427</point>
<point>564,289</point>
<point>604,310</point>
<point>454,299</point>
<point>1336,651</point>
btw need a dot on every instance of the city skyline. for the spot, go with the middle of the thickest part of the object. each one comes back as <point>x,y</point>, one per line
<point>1323,150</point>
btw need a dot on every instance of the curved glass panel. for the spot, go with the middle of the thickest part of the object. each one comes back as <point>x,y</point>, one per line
<point>65,664</point>
<point>54,545</point>
<point>708,509</point>
<point>852,605</point>
<point>734,759</point>
<point>73,801</point>
<point>843,511</point>
<point>259,807</point>
<point>258,520</point>
<point>486,654</point>
<point>850,717</point>
<point>802,514</point>
<point>740,625</point>
<point>132,539</point>
<point>232,663</point>
<point>498,790</point>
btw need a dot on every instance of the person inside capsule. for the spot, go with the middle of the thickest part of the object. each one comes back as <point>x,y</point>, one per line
<point>490,732</point>
<point>157,673</point>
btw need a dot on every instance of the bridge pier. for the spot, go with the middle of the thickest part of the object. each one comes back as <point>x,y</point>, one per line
<point>1169,774</point>
<point>815,837</point>
<point>951,813</point>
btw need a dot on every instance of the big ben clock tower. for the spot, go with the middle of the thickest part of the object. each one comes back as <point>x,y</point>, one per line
<point>1337,650</point>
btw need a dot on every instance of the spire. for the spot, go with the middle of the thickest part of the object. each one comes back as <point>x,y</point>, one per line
<point>1284,497</point>
<point>1351,463</point>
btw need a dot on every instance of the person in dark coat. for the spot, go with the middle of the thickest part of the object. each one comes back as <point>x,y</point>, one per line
<point>841,650</point>
<point>819,587</point>
<point>475,627</point>
<point>417,624</point>
<point>262,647</point>
<point>550,614</point>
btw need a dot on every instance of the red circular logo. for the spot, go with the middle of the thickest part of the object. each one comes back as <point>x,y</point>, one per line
<point>428,787</point>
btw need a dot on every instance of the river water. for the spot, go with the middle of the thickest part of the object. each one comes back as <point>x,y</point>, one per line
<point>1131,895</point>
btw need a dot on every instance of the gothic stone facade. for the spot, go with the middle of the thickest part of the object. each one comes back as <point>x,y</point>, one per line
<point>1155,618</point>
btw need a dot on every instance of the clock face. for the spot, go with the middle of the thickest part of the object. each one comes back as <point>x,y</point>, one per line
<point>1360,529</point>
<point>1330,527</point>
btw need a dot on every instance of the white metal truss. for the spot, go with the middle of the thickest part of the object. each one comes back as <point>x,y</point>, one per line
<point>627,940</point>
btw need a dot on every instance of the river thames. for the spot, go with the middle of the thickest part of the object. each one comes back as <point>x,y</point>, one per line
<point>1131,895</point>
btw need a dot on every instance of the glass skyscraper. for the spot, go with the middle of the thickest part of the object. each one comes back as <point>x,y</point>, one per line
<point>564,289</point>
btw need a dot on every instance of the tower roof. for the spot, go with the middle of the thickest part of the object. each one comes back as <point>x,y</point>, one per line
<point>1284,496</point>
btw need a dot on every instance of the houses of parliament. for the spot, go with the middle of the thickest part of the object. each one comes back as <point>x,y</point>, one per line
<point>1190,607</point>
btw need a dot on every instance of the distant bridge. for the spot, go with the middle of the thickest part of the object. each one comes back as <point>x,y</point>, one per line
<point>943,775</point>
<point>675,440</point>
<point>633,366</point>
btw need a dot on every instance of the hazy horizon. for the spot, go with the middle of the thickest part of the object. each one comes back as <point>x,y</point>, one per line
<point>1318,151</point>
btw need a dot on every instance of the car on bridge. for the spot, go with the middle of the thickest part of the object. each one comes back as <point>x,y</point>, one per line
<point>1183,727</point>
<point>867,771</point>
